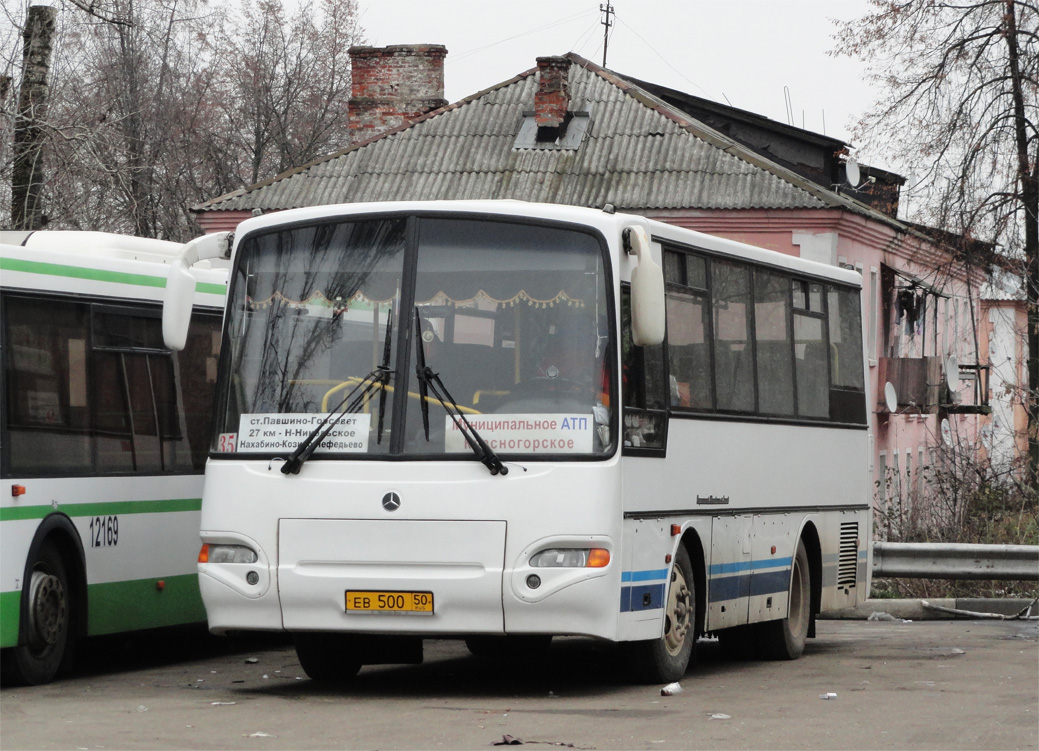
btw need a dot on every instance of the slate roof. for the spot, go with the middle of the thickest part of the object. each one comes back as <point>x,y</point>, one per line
<point>639,153</point>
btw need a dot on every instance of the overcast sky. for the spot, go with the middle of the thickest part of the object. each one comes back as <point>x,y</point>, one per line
<point>765,56</point>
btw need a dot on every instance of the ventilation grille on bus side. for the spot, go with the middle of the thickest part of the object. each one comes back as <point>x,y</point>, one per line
<point>848,561</point>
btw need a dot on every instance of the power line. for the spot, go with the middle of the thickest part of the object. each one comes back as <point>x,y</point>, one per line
<point>665,60</point>
<point>560,22</point>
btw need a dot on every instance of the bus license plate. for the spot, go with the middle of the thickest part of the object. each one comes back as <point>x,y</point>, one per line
<point>416,603</point>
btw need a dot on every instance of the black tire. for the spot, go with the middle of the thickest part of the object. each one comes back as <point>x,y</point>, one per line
<point>666,659</point>
<point>327,657</point>
<point>46,624</point>
<point>785,639</point>
<point>517,646</point>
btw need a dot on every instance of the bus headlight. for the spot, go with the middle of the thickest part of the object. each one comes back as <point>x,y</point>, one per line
<point>571,558</point>
<point>226,554</point>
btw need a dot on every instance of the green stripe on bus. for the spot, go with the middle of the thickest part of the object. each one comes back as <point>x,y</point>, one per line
<point>98,275</point>
<point>133,605</point>
<point>122,606</point>
<point>103,509</point>
<point>10,611</point>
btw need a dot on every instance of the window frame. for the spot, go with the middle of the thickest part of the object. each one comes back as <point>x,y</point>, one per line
<point>820,313</point>
<point>93,308</point>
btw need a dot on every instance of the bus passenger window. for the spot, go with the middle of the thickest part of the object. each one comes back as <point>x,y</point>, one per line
<point>46,411</point>
<point>733,347</point>
<point>775,362</point>
<point>810,367</point>
<point>847,379</point>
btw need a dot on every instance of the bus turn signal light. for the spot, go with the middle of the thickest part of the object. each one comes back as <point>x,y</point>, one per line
<point>17,490</point>
<point>226,553</point>
<point>571,558</point>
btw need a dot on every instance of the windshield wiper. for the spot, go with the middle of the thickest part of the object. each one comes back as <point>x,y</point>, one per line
<point>428,380</point>
<point>379,377</point>
<point>384,371</point>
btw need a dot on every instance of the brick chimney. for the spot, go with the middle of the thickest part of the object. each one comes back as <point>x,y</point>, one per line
<point>392,85</point>
<point>552,99</point>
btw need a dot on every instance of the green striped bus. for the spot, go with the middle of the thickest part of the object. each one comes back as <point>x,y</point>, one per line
<point>103,438</point>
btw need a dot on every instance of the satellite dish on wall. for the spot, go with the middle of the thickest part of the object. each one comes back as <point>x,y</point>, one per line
<point>851,171</point>
<point>946,432</point>
<point>890,397</point>
<point>952,373</point>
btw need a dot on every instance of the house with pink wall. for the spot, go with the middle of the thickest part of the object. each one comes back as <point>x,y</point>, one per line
<point>654,151</point>
<point>1004,321</point>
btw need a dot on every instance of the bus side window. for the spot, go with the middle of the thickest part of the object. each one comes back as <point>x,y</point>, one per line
<point>47,410</point>
<point>847,381</point>
<point>643,387</point>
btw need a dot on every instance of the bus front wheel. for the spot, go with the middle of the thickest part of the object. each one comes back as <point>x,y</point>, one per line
<point>785,639</point>
<point>327,657</point>
<point>666,659</point>
<point>46,623</point>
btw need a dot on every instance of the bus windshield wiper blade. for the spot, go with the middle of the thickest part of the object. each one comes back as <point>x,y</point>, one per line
<point>384,372</point>
<point>309,445</point>
<point>379,377</point>
<point>430,381</point>
<point>420,371</point>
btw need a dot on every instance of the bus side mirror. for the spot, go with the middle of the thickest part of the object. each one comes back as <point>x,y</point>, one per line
<point>180,286</point>
<point>647,291</point>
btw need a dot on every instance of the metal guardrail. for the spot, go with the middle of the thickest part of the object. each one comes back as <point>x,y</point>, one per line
<point>941,560</point>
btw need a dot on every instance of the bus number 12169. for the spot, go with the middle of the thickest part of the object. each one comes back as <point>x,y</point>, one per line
<point>104,531</point>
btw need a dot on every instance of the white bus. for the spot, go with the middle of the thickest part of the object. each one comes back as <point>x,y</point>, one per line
<point>465,420</point>
<point>104,434</point>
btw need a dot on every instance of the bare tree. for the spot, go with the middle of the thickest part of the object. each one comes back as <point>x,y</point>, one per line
<point>287,85</point>
<point>960,110</point>
<point>27,176</point>
<point>158,105</point>
<point>126,86</point>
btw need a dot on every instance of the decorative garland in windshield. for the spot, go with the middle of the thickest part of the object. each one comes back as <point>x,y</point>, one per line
<point>441,298</point>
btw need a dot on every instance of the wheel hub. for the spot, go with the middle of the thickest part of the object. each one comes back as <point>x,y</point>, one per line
<point>679,615</point>
<point>47,606</point>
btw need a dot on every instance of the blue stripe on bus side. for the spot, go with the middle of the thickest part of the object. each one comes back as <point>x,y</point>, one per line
<point>724,588</point>
<point>728,581</point>
<point>642,597</point>
<point>731,581</point>
<point>643,576</point>
<point>733,568</point>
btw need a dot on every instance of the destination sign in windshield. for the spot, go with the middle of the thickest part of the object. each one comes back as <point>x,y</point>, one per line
<point>526,433</point>
<point>263,433</point>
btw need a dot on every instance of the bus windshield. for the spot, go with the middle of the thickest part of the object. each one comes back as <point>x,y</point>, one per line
<point>514,318</point>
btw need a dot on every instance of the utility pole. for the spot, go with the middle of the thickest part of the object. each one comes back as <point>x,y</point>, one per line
<point>607,24</point>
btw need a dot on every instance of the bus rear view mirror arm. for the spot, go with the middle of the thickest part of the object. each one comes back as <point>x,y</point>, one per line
<point>647,290</point>
<point>180,285</point>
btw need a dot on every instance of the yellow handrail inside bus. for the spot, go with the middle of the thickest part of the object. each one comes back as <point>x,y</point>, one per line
<point>353,380</point>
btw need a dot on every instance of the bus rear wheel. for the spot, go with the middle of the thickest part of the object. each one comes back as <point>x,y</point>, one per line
<point>666,659</point>
<point>785,639</point>
<point>46,623</point>
<point>327,657</point>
